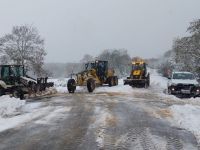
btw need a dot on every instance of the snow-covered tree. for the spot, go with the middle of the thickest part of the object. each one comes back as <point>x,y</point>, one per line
<point>24,46</point>
<point>187,49</point>
<point>118,59</point>
<point>167,63</point>
<point>86,58</point>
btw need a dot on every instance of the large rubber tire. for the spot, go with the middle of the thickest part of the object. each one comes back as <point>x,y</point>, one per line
<point>21,95</point>
<point>18,94</point>
<point>2,91</point>
<point>111,81</point>
<point>148,79</point>
<point>90,85</point>
<point>71,85</point>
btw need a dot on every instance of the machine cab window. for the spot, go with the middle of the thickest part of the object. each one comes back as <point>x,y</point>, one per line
<point>16,71</point>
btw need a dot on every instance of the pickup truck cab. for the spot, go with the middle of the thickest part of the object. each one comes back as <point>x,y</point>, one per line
<point>183,84</point>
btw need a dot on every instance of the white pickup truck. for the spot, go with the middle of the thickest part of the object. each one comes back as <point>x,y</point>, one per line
<point>183,84</point>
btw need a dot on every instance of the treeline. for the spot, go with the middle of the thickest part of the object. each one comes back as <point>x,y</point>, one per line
<point>118,59</point>
<point>185,53</point>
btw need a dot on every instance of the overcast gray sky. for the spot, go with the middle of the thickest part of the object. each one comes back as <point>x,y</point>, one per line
<point>73,28</point>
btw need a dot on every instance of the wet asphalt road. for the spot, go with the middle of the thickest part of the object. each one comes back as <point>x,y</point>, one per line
<point>97,122</point>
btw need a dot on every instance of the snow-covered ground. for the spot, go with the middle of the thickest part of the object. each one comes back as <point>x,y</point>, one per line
<point>187,117</point>
<point>14,112</point>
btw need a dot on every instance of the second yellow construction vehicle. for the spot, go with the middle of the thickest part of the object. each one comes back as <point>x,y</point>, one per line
<point>139,76</point>
<point>96,73</point>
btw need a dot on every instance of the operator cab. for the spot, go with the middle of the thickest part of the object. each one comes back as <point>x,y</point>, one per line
<point>101,68</point>
<point>138,68</point>
<point>11,73</point>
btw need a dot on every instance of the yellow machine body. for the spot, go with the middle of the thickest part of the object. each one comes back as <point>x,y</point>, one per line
<point>139,76</point>
<point>95,74</point>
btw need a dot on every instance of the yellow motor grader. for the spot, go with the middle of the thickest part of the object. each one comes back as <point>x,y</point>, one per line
<point>95,74</point>
<point>139,76</point>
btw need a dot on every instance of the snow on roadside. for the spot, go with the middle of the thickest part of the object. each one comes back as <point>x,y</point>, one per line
<point>187,117</point>
<point>184,116</point>
<point>157,80</point>
<point>15,112</point>
<point>9,106</point>
<point>12,122</point>
<point>60,84</point>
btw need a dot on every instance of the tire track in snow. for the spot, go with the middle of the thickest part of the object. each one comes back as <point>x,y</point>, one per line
<point>137,138</point>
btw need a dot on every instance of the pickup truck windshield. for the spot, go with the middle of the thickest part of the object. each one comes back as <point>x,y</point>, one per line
<point>184,76</point>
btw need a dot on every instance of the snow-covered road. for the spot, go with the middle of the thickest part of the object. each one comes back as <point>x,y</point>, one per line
<point>118,117</point>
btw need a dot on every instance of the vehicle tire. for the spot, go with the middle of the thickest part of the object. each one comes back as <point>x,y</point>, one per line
<point>2,91</point>
<point>18,94</point>
<point>90,85</point>
<point>148,80</point>
<point>111,81</point>
<point>21,95</point>
<point>71,85</point>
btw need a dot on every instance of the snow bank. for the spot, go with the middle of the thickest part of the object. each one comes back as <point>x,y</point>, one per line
<point>9,106</point>
<point>15,112</point>
<point>12,122</point>
<point>187,117</point>
<point>157,80</point>
<point>60,84</point>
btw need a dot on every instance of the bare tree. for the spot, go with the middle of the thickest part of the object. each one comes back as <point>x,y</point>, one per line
<point>24,46</point>
<point>118,59</point>
<point>86,58</point>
